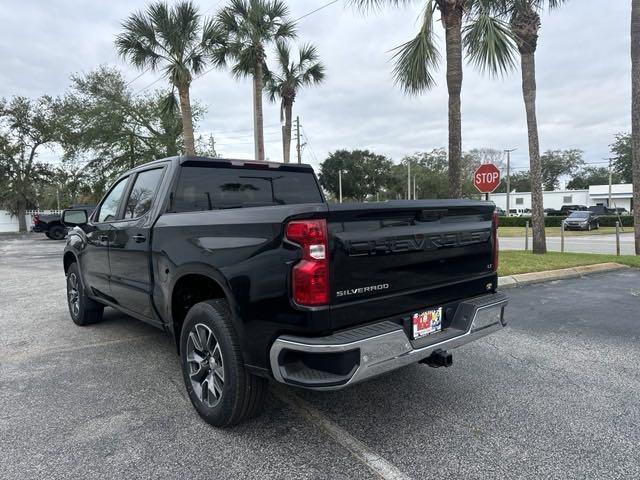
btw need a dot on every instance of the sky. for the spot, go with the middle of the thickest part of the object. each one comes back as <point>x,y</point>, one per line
<point>583,76</point>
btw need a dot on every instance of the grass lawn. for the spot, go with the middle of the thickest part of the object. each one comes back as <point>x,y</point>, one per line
<point>513,262</point>
<point>555,231</point>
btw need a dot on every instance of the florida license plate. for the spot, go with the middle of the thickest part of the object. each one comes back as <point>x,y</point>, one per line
<point>427,322</point>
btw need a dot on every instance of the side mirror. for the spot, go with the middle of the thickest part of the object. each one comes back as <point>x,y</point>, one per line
<point>74,218</point>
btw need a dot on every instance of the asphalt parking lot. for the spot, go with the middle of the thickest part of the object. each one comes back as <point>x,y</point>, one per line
<point>556,395</point>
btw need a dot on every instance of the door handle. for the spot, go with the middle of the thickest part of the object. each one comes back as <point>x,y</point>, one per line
<point>139,238</point>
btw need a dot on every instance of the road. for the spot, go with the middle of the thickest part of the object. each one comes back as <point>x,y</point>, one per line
<point>555,395</point>
<point>605,244</point>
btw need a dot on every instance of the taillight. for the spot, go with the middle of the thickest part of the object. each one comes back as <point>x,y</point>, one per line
<point>495,257</point>
<point>310,276</point>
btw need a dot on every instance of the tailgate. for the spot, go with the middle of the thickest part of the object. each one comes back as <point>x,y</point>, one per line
<point>388,258</point>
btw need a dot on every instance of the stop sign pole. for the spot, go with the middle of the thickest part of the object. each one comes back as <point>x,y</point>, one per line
<point>486,178</point>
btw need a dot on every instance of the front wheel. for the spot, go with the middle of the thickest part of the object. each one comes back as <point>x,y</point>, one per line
<point>220,388</point>
<point>57,232</point>
<point>83,310</point>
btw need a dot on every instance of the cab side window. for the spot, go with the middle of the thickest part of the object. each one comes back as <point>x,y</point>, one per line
<point>142,193</point>
<point>109,208</point>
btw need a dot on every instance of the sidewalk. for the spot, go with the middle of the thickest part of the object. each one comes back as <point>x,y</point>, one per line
<point>537,277</point>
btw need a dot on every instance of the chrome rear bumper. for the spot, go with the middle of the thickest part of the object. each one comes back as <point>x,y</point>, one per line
<point>371,350</point>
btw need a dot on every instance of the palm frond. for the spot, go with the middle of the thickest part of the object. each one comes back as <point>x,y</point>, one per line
<point>169,104</point>
<point>375,5</point>
<point>283,54</point>
<point>245,28</point>
<point>489,44</point>
<point>308,53</point>
<point>416,59</point>
<point>172,38</point>
<point>314,74</point>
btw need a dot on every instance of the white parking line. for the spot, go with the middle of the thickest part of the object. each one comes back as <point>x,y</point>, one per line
<point>377,464</point>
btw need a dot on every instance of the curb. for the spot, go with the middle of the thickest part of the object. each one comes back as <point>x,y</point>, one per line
<point>512,281</point>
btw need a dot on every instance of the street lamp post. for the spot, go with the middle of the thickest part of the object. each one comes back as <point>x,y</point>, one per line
<point>408,180</point>
<point>340,184</point>
<point>508,152</point>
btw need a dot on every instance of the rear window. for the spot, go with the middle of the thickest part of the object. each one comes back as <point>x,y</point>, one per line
<point>579,215</point>
<point>211,188</point>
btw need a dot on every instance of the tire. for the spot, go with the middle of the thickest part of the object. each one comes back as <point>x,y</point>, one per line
<point>57,232</point>
<point>86,311</point>
<point>210,354</point>
<point>589,228</point>
<point>48,235</point>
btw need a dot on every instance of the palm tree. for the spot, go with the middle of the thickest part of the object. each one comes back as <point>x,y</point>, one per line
<point>524,18</point>
<point>292,75</point>
<point>247,28</point>
<point>635,115</point>
<point>173,40</point>
<point>469,24</point>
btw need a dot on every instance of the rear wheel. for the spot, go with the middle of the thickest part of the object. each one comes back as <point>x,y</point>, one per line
<point>57,232</point>
<point>83,310</point>
<point>221,390</point>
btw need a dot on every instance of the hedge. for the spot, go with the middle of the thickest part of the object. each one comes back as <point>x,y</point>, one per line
<point>605,221</point>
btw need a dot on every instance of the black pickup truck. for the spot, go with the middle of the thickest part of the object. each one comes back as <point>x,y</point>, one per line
<point>257,277</point>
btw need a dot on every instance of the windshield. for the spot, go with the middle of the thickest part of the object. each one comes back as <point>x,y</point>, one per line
<point>579,215</point>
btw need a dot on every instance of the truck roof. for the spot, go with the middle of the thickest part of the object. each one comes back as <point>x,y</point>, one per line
<point>196,160</point>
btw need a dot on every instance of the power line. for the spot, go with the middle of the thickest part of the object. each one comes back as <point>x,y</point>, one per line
<point>316,10</point>
<point>313,153</point>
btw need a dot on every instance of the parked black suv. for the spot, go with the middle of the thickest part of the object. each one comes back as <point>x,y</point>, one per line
<point>257,277</point>
<point>567,209</point>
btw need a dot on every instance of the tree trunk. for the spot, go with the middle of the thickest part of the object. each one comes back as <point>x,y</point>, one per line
<point>453,38</point>
<point>22,213</point>
<point>286,130</point>
<point>187,120</point>
<point>528,64</point>
<point>635,115</point>
<point>258,133</point>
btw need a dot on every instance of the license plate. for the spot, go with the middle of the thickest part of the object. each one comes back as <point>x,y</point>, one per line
<point>427,322</point>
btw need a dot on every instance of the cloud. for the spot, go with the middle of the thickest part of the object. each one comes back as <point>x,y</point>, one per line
<point>583,79</point>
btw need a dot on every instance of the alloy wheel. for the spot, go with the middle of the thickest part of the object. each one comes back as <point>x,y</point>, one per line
<point>74,294</point>
<point>206,365</point>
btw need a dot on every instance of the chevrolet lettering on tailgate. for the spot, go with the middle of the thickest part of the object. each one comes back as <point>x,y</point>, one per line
<point>415,243</point>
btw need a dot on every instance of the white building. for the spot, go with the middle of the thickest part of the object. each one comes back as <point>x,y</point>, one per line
<point>621,197</point>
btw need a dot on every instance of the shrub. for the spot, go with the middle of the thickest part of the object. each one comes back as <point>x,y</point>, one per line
<point>605,221</point>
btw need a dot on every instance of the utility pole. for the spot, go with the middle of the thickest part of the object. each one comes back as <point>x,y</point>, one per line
<point>340,184</point>
<point>414,187</point>
<point>298,148</point>
<point>408,180</point>
<point>610,181</point>
<point>508,152</point>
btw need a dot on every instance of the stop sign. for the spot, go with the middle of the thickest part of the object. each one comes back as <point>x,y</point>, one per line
<point>486,178</point>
